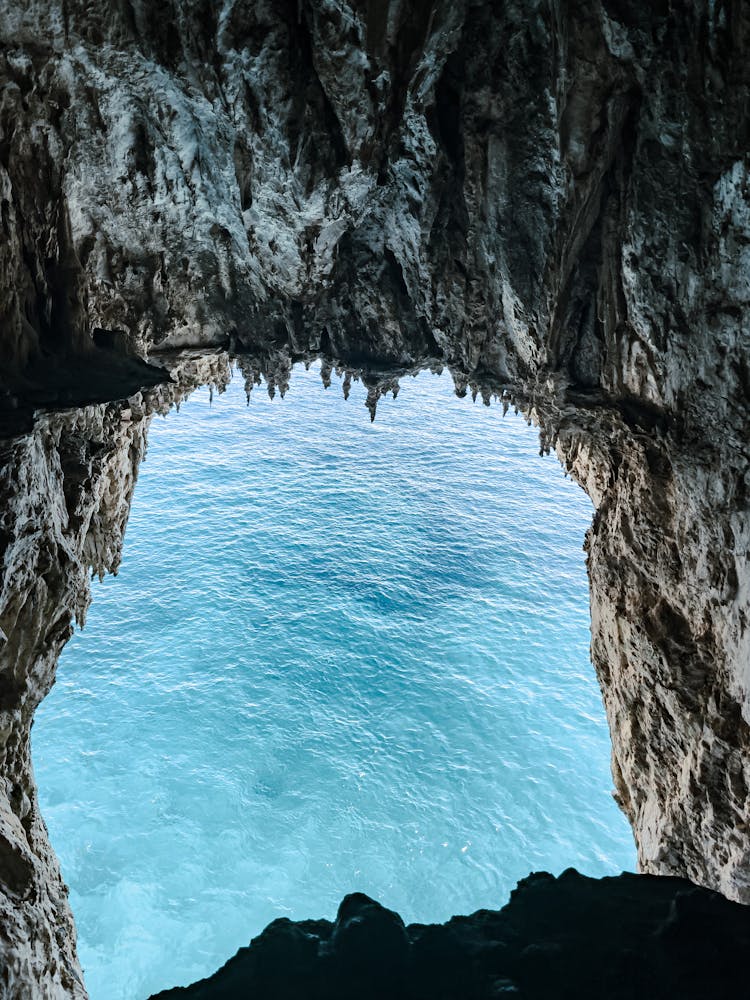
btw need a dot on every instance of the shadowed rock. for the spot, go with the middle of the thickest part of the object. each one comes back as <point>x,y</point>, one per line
<point>570,938</point>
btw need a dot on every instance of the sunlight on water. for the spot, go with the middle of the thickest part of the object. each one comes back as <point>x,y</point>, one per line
<point>338,656</point>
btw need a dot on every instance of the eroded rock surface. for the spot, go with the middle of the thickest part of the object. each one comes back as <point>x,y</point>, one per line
<point>66,489</point>
<point>551,198</point>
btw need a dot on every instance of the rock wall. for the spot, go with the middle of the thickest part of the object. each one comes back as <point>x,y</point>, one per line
<point>66,490</point>
<point>551,198</point>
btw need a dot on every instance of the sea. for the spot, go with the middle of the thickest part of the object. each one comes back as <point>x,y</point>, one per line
<point>338,655</point>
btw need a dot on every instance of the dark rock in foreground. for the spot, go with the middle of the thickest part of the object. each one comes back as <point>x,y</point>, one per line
<point>633,936</point>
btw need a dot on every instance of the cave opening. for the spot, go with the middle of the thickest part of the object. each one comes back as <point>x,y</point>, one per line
<point>338,656</point>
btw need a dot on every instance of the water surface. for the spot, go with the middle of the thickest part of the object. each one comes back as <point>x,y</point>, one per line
<point>338,655</point>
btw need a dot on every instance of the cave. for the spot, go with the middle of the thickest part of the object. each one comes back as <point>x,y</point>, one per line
<point>549,201</point>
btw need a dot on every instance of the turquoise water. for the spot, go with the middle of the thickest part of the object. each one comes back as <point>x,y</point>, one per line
<point>338,655</point>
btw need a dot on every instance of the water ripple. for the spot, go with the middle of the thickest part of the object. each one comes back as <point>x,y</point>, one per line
<point>337,656</point>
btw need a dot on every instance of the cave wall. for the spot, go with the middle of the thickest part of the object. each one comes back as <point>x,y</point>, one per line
<point>550,198</point>
<point>66,489</point>
<point>518,187</point>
